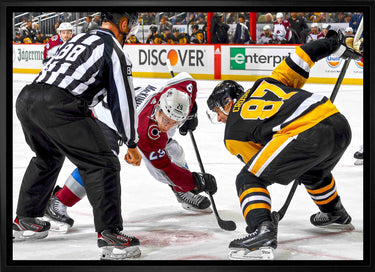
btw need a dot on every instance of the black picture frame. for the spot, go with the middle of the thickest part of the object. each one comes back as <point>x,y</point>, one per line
<point>7,264</point>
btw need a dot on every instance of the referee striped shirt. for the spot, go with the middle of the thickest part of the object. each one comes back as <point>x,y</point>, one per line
<point>91,66</point>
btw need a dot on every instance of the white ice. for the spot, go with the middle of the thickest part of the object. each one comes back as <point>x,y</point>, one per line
<point>168,232</point>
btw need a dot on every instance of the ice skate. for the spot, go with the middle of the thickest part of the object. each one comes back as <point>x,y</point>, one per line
<point>359,157</point>
<point>29,228</point>
<point>57,215</point>
<point>115,245</point>
<point>337,219</point>
<point>258,245</point>
<point>193,202</point>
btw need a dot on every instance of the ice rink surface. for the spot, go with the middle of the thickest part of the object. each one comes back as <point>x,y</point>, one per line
<point>168,232</point>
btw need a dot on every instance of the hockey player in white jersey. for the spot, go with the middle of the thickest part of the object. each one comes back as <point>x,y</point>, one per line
<point>161,111</point>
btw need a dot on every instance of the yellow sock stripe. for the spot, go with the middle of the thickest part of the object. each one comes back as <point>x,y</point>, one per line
<point>253,190</point>
<point>256,206</point>
<point>327,200</point>
<point>322,190</point>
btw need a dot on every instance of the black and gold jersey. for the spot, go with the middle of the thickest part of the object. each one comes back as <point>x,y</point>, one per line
<point>155,39</point>
<point>197,37</point>
<point>277,105</point>
<point>182,38</point>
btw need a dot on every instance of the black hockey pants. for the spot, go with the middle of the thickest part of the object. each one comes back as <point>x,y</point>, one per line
<point>309,156</point>
<point>57,124</point>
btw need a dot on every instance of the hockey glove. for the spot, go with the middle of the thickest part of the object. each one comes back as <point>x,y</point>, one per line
<point>343,50</point>
<point>205,182</point>
<point>191,121</point>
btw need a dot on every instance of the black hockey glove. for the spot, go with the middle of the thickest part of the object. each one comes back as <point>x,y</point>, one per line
<point>191,121</point>
<point>343,50</point>
<point>205,182</point>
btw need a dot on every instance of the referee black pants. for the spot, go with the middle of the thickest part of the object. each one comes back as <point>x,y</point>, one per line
<point>57,125</point>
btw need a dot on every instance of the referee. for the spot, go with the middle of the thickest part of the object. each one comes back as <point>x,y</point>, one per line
<point>55,115</point>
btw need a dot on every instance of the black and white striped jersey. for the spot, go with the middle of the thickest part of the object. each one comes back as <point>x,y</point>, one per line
<point>91,66</point>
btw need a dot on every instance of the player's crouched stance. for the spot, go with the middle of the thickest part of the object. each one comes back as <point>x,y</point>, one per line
<point>282,133</point>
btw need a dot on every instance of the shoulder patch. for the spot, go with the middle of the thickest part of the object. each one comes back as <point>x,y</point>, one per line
<point>54,38</point>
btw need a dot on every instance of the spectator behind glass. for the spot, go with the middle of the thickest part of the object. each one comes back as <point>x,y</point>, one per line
<point>164,24</point>
<point>98,20</point>
<point>219,30</point>
<point>298,24</point>
<point>269,18</point>
<point>18,38</point>
<point>241,35</point>
<point>355,20</point>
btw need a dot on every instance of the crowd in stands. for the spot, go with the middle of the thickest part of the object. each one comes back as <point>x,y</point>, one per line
<point>226,27</point>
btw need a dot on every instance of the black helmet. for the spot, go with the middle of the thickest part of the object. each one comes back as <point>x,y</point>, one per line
<point>222,92</point>
<point>153,28</point>
<point>196,26</point>
<point>115,17</point>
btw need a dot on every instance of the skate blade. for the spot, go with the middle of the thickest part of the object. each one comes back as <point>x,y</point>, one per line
<point>118,254</point>
<point>56,225</point>
<point>263,253</point>
<point>188,207</point>
<point>27,235</point>
<point>358,162</point>
<point>335,226</point>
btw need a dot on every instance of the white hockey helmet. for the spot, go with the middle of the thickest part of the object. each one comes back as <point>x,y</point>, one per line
<point>314,25</point>
<point>65,26</point>
<point>349,29</point>
<point>279,15</point>
<point>175,104</point>
<point>266,27</point>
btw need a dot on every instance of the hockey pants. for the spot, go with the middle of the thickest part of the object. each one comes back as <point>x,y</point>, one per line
<point>57,125</point>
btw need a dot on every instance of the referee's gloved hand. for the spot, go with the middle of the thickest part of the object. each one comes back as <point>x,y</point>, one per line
<point>205,182</point>
<point>191,122</point>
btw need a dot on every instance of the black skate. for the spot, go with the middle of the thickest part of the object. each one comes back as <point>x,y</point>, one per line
<point>115,245</point>
<point>193,202</point>
<point>257,245</point>
<point>359,157</point>
<point>57,215</point>
<point>29,228</point>
<point>337,219</point>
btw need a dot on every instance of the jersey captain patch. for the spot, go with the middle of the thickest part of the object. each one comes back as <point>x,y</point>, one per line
<point>153,132</point>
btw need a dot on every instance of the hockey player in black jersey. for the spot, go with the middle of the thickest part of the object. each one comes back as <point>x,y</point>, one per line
<point>281,133</point>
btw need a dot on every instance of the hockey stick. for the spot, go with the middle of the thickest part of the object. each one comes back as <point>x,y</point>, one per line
<point>280,214</point>
<point>225,225</point>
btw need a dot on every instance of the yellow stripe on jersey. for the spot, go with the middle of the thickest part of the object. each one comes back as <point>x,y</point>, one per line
<point>310,119</point>
<point>244,149</point>
<point>288,76</point>
<point>256,206</point>
<point>253,190</point>
<point>268,153</point>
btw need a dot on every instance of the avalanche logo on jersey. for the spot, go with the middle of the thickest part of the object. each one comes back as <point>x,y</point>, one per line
<point>153,132</point>
<point>333,62</point>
